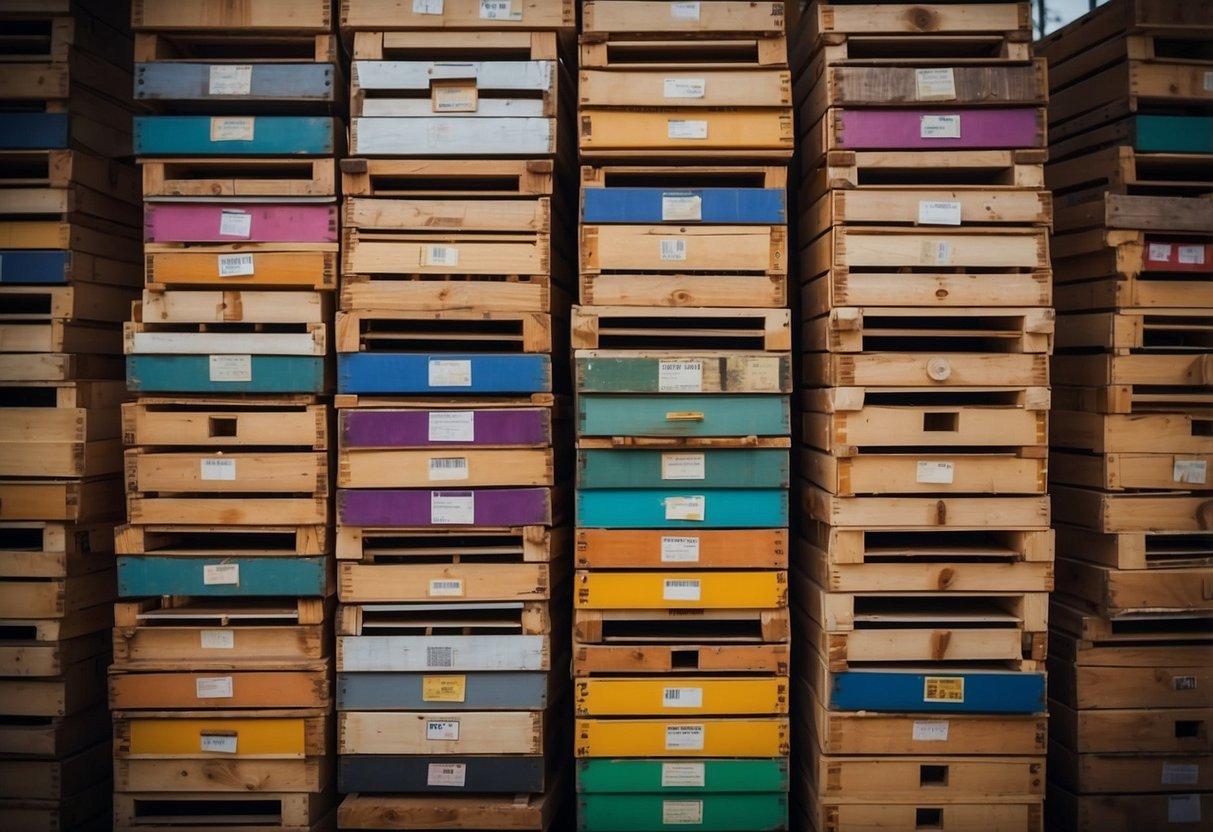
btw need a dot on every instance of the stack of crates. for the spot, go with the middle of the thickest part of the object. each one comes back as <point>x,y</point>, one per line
<point>221,682</point>
<point>69,255</point>
<point>683,376</point>
<point>1131,163</point>
<point>453,553</point>
<point>921,579</point>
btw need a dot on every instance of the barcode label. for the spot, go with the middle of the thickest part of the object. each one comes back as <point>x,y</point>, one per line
<point>684,87</point>
<point>932,731</point>
<point>935,84</point>
<point>235,224</point>
<point>219,743</point>
<point>683,775</point>
<point>686,508</point>
<point>1192,471</point>
<point>451,426</point>
<point>213,687</point>
<point>442,730</point>
<point>681,207</point>
<point>943,689</point>
<point>673,249</point>
<point>232,129</point>
<point>221,574</point>
<point>446,587</point>
<point>938,213</point>
<point>218,640</point>
<point>453,775</point>
<point>684,738</point>
<point>452,509</point>
<point>939,127</point>
<point>680,376</point>
<point>682,698</point>
<point>680,590</point>
<point>439,256</point>
<point>683,129</point>
<point>217,469</point>
<point>230,368</point>
<point>449,372</point>
<point>680,549</point>
<point>499,10</point>
<point>230,79</point>
<point>449,468</point>
<point>235,265</point>
<point>440,657</point>
<point>680,812</point>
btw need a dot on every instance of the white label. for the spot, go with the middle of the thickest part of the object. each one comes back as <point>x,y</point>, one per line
<point>450,587</point>
<point>682,698</point>
<point>938,213</point>
<point>685,87</point>
<point>440,657</point>
<point>684,11</point>
<point>683,775</point>
<point>442,730</point>
<point>1160,252</point>
<point>1174,774</point>
<point>230,368</point>
<point>935,84</point>
<point>235,265</point>
<point>1209,82</point>
<point>449,468</point>
<point>673,248</point>
<point>439,256</point>
<point>1183,808</point>
<point>680,376</point>
<point>230,80</point>
<point>1192,255</point>
<point>933,731</point>
<point>675,589</point>
<point>222,743</point>
<point>681,207</point>
<point>428,7</point>
<point>221,574</point>
<point>676,812</point>
<point>684,738</point>
<point>218,640</point>
<point>677,128</point>
<point>447,372</point>
<point>935,253</point>
<point>682,466</point>
<point>939,127</point>
<point>680,550</point>
<point>1183,683</point>
<point>499,10</point>
<point>1189,470</point>
<point>686,508</point>
<point>213,687</point>
<point>458,509</point>
<point>934,472</point>
<point>446,774</point>
<point>232,129</point>
<point>236,224</point>
<point>217,469</point>
<point>452,426</point>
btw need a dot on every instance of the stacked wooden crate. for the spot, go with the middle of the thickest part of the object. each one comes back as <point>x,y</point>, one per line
<point>69,254</point>
<point>453,557</point>
<point>921,576</point>
<point>1131,162</point>
<point>682,371</point>
<point>221,682</point>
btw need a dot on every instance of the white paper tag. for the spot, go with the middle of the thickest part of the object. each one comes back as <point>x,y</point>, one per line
<point>684,11</point>
<point>230,79</point>
<point>499,10</point>
<point>683,775</point>
<point>446,774</point>
<point>221,743</point>
<point>679,550</point>
<point>221,574</point>
<point>686,508</point>
<point>673,248</point>
<point>680,376</point>
<point>1159,252</point>
<point>676,466</point>
<point>452,426</point>
<point>1176,774</point>
<point>939,127</point>
<point>934,472</point>
<point>935,253</point>
<point>235,265</point>
<point>938,213</point>
<point>1209,82</point>
<point>680,812</point>
<point>439,256</point>
<point>681,207</point>
<point>448,587</point>
<point>440,657</point>
<point>682,698</point>
<point>449,468</point>
<point>230,368</point>
<point>935,84</point>
<point>1192,255</point>
<point>685,87</point>
<point>428,7</point>
<point>449,372</point>
<point>1189,471</point>
<point>684,738</point>
<point>217,469</point>
<point>236,224</point>
<point>452,509</point>
<point>442,730</point>
<point>218,640</point>
<point>1183,808</point>
<point>226,129</point>
<point>678,128</point>
<point>680,589</point>
<point>213,687</point>
<point>932,731</point>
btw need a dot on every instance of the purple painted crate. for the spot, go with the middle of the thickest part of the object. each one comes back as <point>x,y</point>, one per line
<point>202,222</point>
<point>445,428</point>
<point>445,508</point>
<point>923,129</point>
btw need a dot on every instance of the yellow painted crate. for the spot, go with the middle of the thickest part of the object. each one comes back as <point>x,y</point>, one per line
<point>682,590</point>
<point>681,696</point>
<point>763,737</point>
<point>222,735</point>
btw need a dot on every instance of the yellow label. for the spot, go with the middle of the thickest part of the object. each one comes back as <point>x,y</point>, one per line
<point>943,689</point>
<point>443,688</point>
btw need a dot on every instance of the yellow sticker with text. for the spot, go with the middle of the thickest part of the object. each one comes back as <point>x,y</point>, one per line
<point>943,689</point>
<point>443,688</point>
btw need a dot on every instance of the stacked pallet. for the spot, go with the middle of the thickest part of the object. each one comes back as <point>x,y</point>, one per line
<point>682,371</point>
<point>69,254</point>
<point>452,554</point>
<point>921,579</point>
<point>221,681</point>
<point>1131,126</point>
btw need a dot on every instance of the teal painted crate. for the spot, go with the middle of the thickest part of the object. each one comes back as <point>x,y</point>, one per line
<point>234,136</point>
<point>724,812</point>
<point>1172,134</point>
<point>142,576</point>
<point>719,508</point>
<point>683,374</point>
<point>683,468</point>
<point>683,416</point>
<point>225,374</point>
<point>629,776</point>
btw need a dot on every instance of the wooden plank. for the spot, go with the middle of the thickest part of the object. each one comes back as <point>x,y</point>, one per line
<point>847,247</point>
<point>281,15</point>
<point>1120,592</point>
<point>926,473</point>
<point>70,500</point>
<point>309,775</point>
<point>957,369</point>
<point>701,87</point>
<point>212,178</point>
<point>842,287</point>
<point>972,330</point>
<point>1121,813</point>
<point>154,421</point>
<point>1019,513</point>
<point>529,544</point>
<point>473,581</point>
<point>417,178</point>
<point>193,473</point>
<point>888,206</point>
<point>640,290</point>
<point>591,659</point>
<point>623,248</point>
<point>606,17</point>
<point>665,132</point>
<point>1115,513</point>
<point>535,812</point>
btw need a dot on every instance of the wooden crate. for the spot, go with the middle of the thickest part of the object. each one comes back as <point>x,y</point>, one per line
<point>460,14</point>
<point>495,578</point>
<point>414,468</point>
<point>62,442</point>
<point>669,737</point>
<point>958,513</point>
<point>1112,774</point>
<point>1163,330</point>
<point>411,43</point>
<point>174,222</point>
<point>442,179</point>
<point>443,653</point>
<point>202,689</point>
<point>1135,550</point>
<point>607,327</point>
<point>530,544</point>
<point>712,468</point>
<point>916,369</point>
<point>452,618</point>
<point>64,183</point>
<point>528,136</point>
<point>1184,636</point>
<point>665,133</point>
<point>57,336</point>
<point>76,688</point>
<point>834,816</point>
<point>463,212</point>
<point>934,471</point>
<point>483,89</point>
<point>700,88</point>
<point>253,265</point>
<point>974,205</point>
<point>681,371</point>
<point>270,15</point>
<point>1128,512</point>
<point>284,179</point>
<point>228,136</point>
<point>608,20</point>
<point>476,691</point>
<point>767,810</point>
<point>82,302</point>
<point>277,811</point>
<point>304,85</point>
<point>997,331</point>
<point>1014,250</point>
<point>254,307</point>
<point>56,737</point>
<point>1130,730</point>
<point>199,777</point>
<point>86,810</point>
<point>184,339</point>
<point>426,509</point>
<point>248,421</point>
<point>224,576</point>
<point>374,811</point>
<point>56,780</point>
<point>376,330</point>
<point>75,501</point>
<point>175,539</point>
<point>680,696</point>
<point>1114,593</point>
<point>681,420</point>
<point>1018,169</point>
<point>1123,812</point>
<point>42,648</point>
<point>454,732</point>
<point>592,659</point>
<point>1124,170</point>
<point>54,584</point>
<point>1166,673</point>
<point>651,549</point>
<point>239,44</point>
<point>265,734</point>
<point>1118,471</point>
<point>192,474</point>
<point>681,590</point>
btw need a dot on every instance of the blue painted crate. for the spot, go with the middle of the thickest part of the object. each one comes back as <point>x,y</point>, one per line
<point>170,81</point>
<point>203,136</point>
<point>199,374</point>
<point>34,267</point>
<point>147,575</point>
<point>33,131</point>
<point>734,206</point>
<point>723,508</point>
<point>413,373</point>
<point>984,692</point>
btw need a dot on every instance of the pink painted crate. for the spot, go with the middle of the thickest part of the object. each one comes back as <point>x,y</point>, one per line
<point>234,223</point>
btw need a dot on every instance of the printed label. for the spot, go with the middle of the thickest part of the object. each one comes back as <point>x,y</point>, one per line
<point>446,774</point>
<point>446,587</point>
<point>679,376</point>
<point>443,688</point>
<point>217,469</point>
<point>452,509</point>
<point>683,775</point>
<point>681,207</point>
<point>939,127</point>
<point>676,812</point>
<point>1175,774</point>
<point>1189,471</point>
<point>232,129</point>
<point>673,248</point>
<point>451,426</point>
<point>677,128</point>
<point>427,6</point>
<point>221,743</point>
<point>1183,808</point>
<point>684,11</point>
<point>1192,255</point>
<point>499,10</point>
<point>449,372</point>
<point>682,466</point>
<point>226,79</point>
<point>682,698</point>
<point>932,731</point>
<point>449,468</point>
<point>686,508</point>
<point>221,574</point>
<point>1183,683</point>
<point>230,368</point>
<point>680,549</point>
<point>439,256</point>
<point>938,213</point>
<point>442,730</point>
<point>440,657</point>
<point>454,97</point>
<point>684,738</point>
<point>934,472</point>
<point>685,87</point>
<point>235,265</point>
<point>218,640</point>
<point>935,84</point>
<point>235,224</point>
<point>934,253</point>
<point>1159,252</point>
<point>213,687</point>
<point>680,590</point>
<point>943,689</point>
